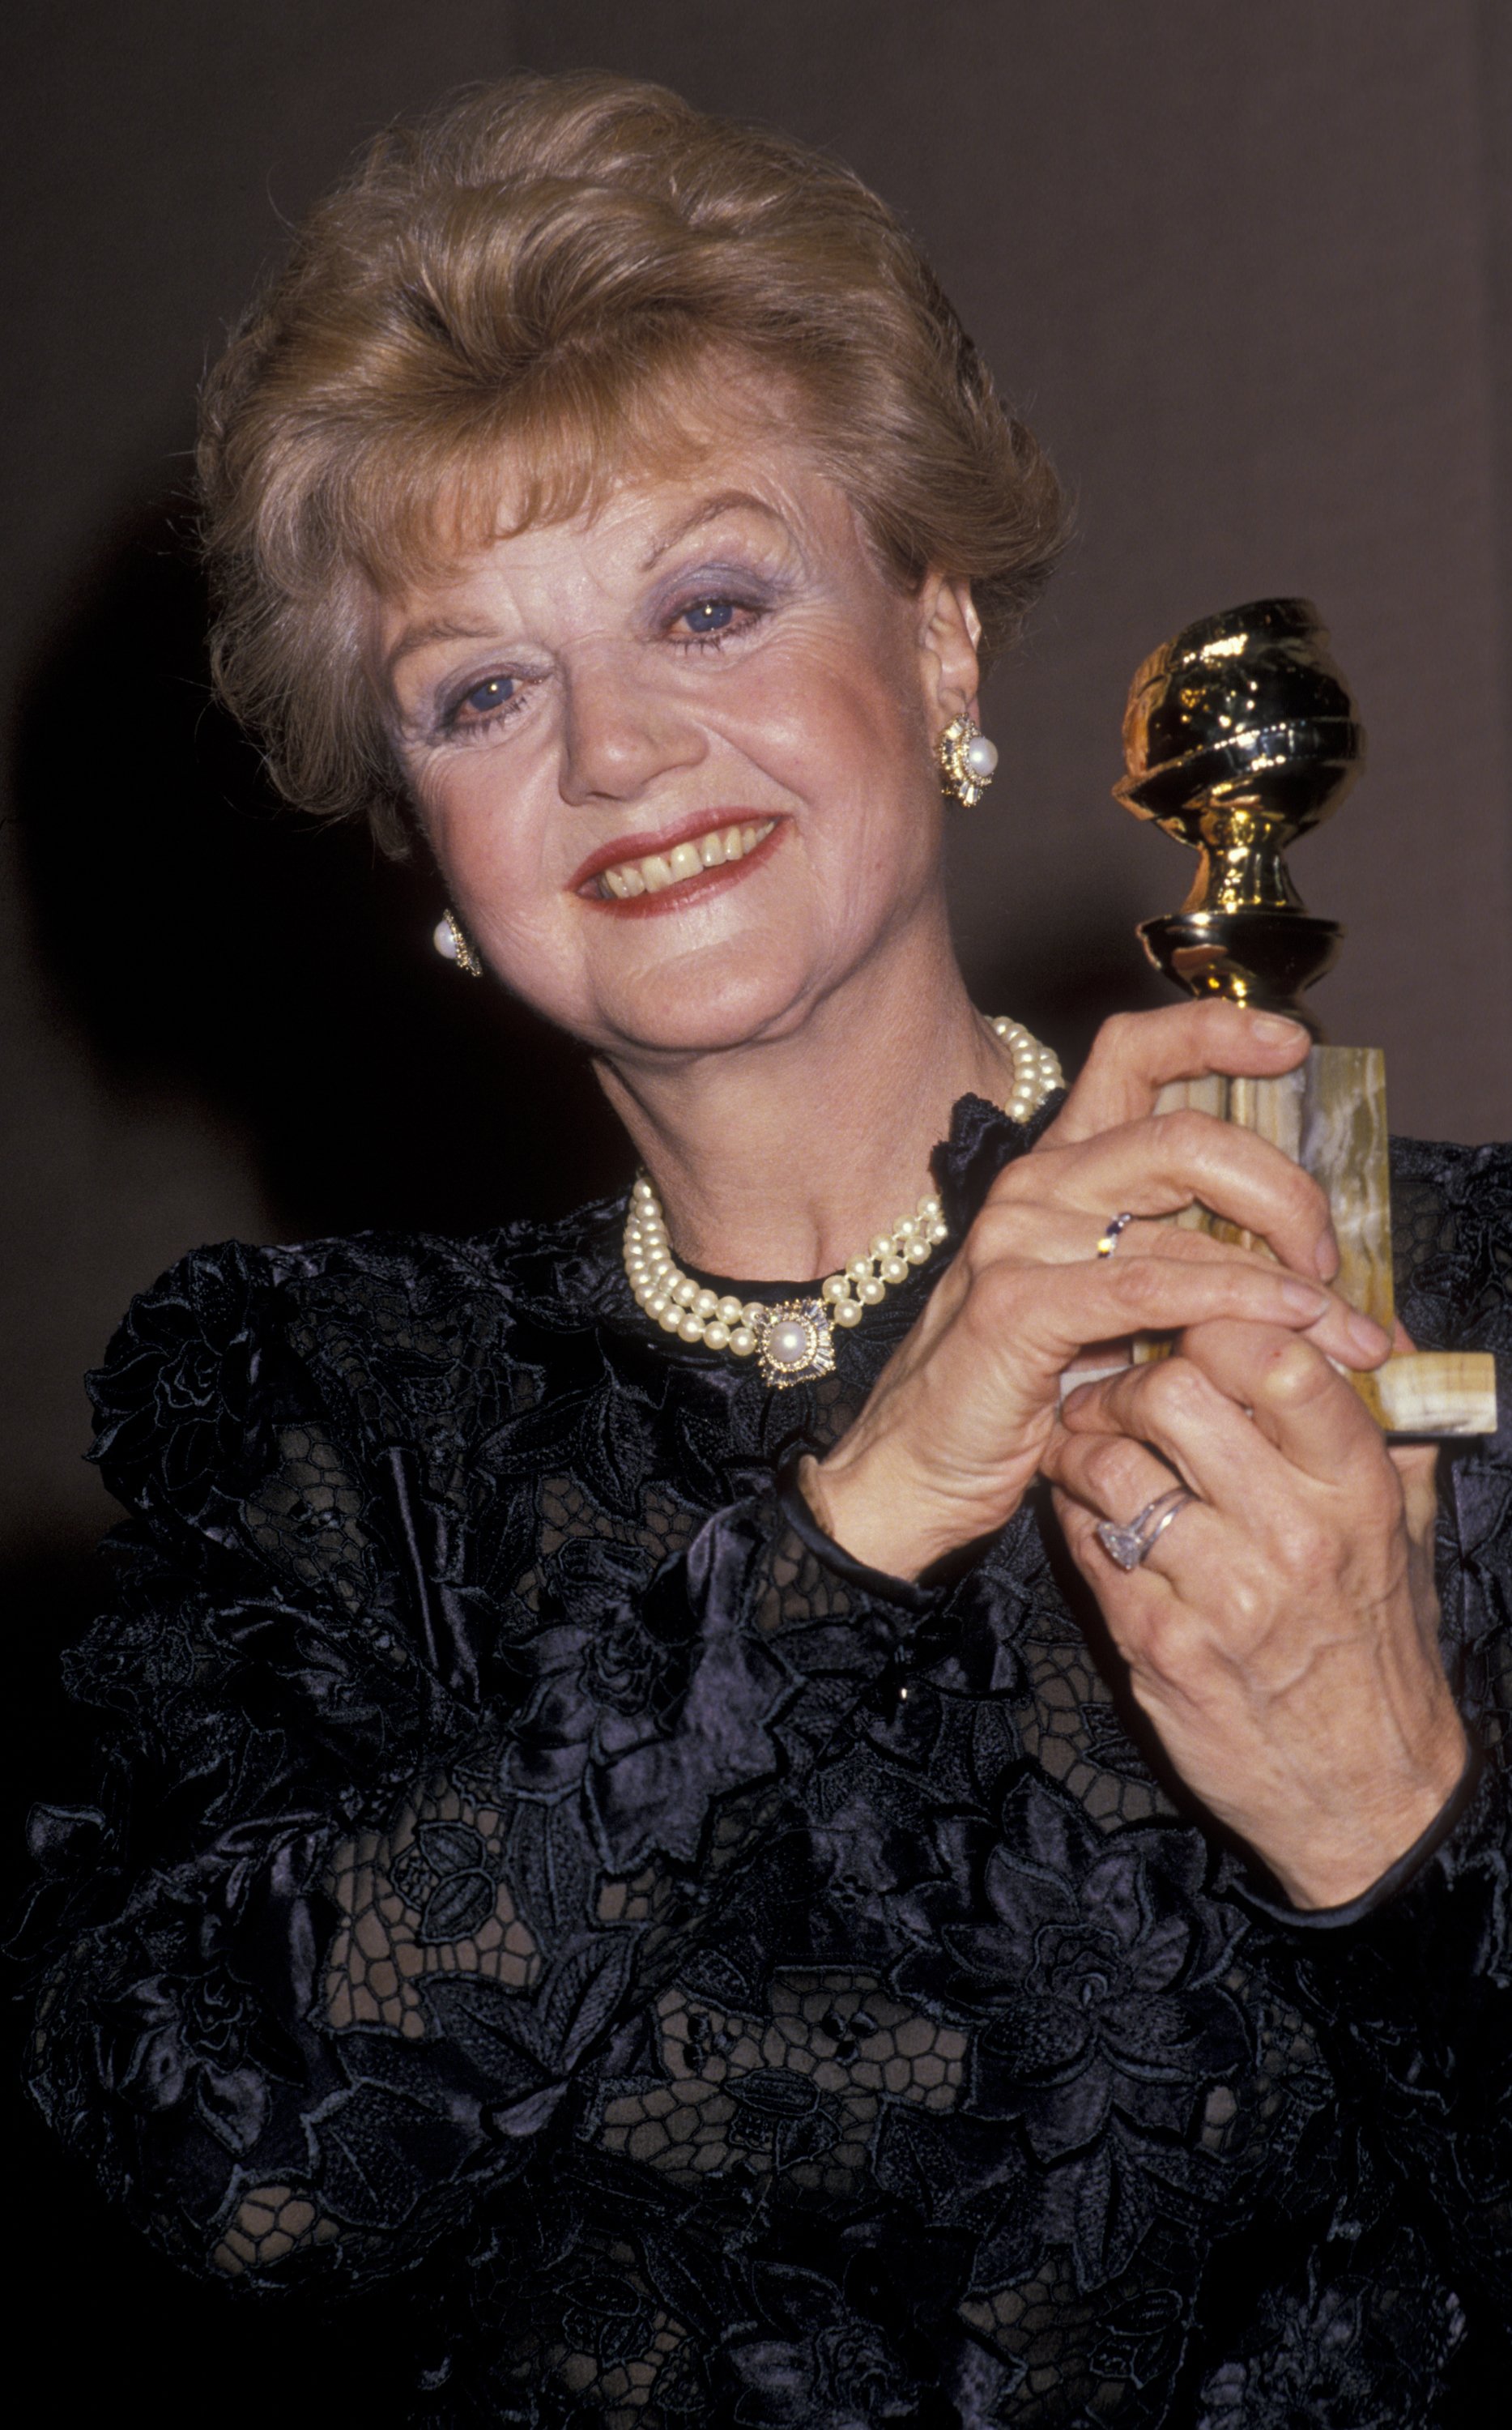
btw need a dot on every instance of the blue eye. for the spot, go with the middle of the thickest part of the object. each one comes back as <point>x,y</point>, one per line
<point>708,615</point>
<point>495,692</point>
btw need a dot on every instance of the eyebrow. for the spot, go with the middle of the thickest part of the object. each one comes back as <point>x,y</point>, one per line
<point>449,628</point>
<point>419,637</point>
<point>725,502</point>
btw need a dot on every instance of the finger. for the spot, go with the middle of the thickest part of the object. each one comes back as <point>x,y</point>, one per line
<point>1138,1605</point>
<point>1051,1313</point>
<point>1299,1401</point>
<point>1046,1232</point>
<point>1042,1234</point>
<point>1166,1162</point>
<point>1113,1475</point>
<point>1343,1335</point>
<point>1417,1466</point>
<point>1135,1054</point>
<point>1197,1428</point>
<point>1109,1477</point>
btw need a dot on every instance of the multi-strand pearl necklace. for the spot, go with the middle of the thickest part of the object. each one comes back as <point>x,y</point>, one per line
<point>793,1340</point>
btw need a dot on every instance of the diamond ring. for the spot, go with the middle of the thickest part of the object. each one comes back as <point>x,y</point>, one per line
<point>1128,1546</point>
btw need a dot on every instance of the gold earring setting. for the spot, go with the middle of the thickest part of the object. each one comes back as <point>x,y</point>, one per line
<point>450,941</point>
<point>967,759</point>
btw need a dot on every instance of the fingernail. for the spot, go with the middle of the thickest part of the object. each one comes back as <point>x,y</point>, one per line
<point>1368,1337</point>
<point>1078,1399</point>
<point>1326,1258</point>
<point>1304,1297</point>
<point>1273,1029</point>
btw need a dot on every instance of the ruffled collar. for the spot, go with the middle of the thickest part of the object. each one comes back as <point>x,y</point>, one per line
<point>983,1140</point>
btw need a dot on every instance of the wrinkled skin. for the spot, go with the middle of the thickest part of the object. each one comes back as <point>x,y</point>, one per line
<point>1282,1634</point>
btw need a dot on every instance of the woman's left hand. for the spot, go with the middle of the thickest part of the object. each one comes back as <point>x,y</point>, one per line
<point>1282,1633</point>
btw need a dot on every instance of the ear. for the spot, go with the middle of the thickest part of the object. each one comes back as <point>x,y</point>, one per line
<point>949,632</point>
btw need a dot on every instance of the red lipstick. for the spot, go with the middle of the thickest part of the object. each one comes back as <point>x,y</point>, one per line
<point>688,890</point>
<point>636,848</point>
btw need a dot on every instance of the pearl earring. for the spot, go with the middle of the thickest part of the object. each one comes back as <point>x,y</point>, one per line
<point>967,759</point>
<point>452,944</point>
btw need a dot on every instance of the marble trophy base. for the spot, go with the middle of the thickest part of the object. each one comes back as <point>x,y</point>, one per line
<point>1329,1116</point>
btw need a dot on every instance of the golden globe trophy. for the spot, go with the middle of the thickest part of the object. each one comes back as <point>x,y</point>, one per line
<point>1240,736</point>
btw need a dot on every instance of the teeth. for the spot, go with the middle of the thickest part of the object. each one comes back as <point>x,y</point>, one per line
<point>658,870</point>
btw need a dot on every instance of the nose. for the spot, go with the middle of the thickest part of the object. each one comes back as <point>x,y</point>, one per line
<point>620,732</point>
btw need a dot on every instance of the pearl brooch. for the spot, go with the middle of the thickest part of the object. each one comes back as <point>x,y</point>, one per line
<point>793,1340</point>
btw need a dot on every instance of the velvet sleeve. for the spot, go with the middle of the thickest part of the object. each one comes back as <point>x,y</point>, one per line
<point>336,1952</point>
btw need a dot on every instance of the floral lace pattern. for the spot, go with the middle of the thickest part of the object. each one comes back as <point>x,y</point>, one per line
<point>710,1990</point>
<point>430,1896</point>
<point>798,2092</point>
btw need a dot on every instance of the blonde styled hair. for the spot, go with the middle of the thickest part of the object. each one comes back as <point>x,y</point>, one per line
<point>539,267</point>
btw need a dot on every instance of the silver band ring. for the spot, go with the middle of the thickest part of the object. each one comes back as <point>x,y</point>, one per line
<point>1131,1545</point>
<point>1109,1238</point>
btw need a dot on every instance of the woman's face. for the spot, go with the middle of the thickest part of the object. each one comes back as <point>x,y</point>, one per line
<point>676,757</point>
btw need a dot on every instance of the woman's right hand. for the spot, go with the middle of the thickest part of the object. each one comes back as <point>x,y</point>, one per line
<point>957,1424</point>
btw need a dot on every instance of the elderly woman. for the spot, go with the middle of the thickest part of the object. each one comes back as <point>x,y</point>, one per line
<point>641,1804</point>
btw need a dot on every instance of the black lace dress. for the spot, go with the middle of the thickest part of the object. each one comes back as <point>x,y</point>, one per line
<point>710,1984</point>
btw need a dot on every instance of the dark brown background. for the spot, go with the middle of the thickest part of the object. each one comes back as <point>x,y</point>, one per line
<point>1246,269</point>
